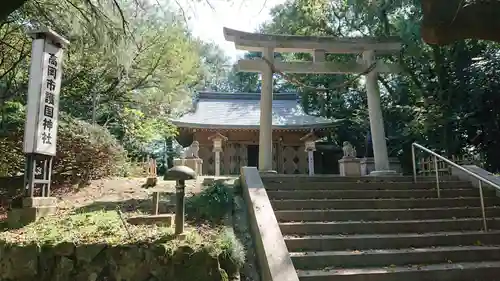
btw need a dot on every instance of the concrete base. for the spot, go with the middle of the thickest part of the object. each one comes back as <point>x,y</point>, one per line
<point>194,163</point>
<point>386,173</point>
<point>350,167</point>
<point>33,209</point>
<point>368,165</point>
<point>181,236</point>
<point>267,172</point>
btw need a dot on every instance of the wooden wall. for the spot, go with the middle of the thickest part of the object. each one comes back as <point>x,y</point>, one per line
<point>289,156</point>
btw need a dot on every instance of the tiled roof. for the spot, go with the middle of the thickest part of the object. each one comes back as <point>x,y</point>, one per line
<point>242,110</point>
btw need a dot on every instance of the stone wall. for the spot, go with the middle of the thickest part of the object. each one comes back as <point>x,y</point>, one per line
<point>138,262</point>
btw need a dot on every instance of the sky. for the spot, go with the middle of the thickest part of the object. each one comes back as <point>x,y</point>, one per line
<point>245,15</point>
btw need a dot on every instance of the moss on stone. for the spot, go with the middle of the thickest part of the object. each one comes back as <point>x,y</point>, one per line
<point>97,247</point>
<point>133,262</point>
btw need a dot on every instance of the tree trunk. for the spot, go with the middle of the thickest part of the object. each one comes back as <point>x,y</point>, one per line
<point>447,21</point>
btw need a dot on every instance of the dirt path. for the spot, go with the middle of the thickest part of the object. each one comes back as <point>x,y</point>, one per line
<point>120,190</point>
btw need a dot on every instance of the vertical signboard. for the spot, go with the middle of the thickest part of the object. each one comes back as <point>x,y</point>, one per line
<point>40,134</point>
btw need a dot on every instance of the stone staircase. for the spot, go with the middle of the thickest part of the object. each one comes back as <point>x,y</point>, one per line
<point>390,229</point>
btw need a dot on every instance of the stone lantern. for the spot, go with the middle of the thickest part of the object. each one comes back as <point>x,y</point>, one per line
<point>310,146</point>
<point>217,139</point>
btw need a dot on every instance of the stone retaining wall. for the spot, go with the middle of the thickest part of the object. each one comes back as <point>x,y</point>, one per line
<point>142,262</point>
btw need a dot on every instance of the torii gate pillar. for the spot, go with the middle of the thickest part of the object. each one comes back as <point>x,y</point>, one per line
<point>266,115</point>
<point>376,120</point>
<point>318,47</point>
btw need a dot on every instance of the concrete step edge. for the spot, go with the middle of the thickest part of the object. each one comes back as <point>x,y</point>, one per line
<point>396,251</point>
<point>369,190</point>
<point>386,210</point>
<point>405,183</point>
<point>387,222</point>
<point>383,199</point>
<point>389,236</point>
<point>398,269</point>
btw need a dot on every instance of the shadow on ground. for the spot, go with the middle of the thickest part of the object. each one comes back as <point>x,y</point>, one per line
<point>131,205</point>
<point>211,205</point>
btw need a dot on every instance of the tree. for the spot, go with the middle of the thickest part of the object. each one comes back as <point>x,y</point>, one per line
<point>438,100</point>
<point>215,67</point>
<point>445,22</point>
<point>131,84</point>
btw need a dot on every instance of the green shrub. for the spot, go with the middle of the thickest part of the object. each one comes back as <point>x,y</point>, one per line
<point>84,151</point>
<point>211,205</point>
<point>231,247</point>
<point>11,139</point>
<point>87,151</point>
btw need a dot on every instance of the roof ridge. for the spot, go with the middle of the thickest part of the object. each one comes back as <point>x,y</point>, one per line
<point>244,95</point>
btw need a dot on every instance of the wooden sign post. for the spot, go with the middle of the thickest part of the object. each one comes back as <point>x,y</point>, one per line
<point>40,135</point>
<point>40,131</point>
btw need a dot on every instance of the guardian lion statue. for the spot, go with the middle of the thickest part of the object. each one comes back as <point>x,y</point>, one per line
<point>349,150</point>
<point>192,151</point>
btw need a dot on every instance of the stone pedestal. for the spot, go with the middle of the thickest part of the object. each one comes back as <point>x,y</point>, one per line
<point>193,163</point>
<point>32,209</point>
<point>368,167</point>
<point>268,172</point>
<point>350,167</point>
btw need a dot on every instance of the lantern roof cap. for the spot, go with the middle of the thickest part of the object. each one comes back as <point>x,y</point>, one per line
<point>217,135</point>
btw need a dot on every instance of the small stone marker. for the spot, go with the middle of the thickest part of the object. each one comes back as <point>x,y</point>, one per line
<point>180,174</point>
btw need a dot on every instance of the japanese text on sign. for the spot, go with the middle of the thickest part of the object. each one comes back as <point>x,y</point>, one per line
<point>48,107</point>
<point>40,136</point>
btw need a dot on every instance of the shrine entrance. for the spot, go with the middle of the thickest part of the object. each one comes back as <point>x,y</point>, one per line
<point>366,64</point>
<point>253,155</point>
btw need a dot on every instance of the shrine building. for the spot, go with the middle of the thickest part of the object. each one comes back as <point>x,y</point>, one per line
<point>236,117</point>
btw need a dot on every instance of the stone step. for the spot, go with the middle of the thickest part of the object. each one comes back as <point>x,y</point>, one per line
<point>385,227</point>
<point>362,194</point>
<point>394,257</point>
<point>316,204</point>
<point>390,241</point>
<point>467,271</point>
<point>337,178</point>
<point>384,214</point>
<point>365,186</point>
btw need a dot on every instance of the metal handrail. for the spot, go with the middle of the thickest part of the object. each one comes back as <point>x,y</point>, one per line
<point>449,162</point>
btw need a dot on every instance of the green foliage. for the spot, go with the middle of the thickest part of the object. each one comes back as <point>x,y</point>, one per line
<point>212,205</point>
<point>84,151</point>
<point>127,70</point>
<point>444,99</point>
<point>100,239</point>
<point>11,144</point>
<point>87,151</point>
<point>231,248</point>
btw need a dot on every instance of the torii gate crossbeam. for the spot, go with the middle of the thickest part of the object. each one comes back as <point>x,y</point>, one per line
<point>318,46</point>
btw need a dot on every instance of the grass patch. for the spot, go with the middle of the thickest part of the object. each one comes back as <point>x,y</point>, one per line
<point>106,227</point>
<point>209,247</point>
<point>84,228</point>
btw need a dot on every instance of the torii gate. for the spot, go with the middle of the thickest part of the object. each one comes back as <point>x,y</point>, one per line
<point>318,46</point>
